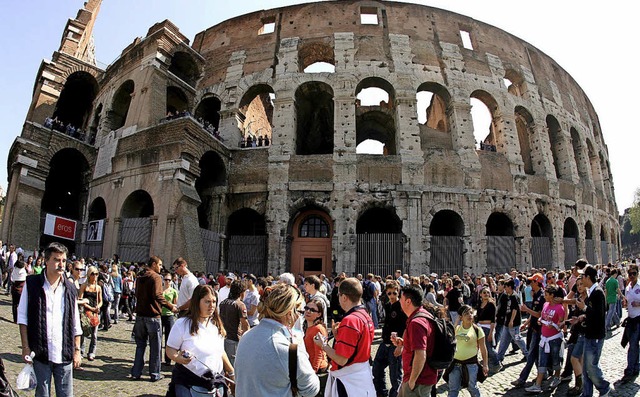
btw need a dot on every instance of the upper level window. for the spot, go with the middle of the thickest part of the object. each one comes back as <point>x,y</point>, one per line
<point>314,227</point>
<point>368,16</point>
<point>268,25</point>
<point>466,40</point>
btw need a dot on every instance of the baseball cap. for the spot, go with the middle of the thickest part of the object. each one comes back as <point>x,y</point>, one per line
<point>537,278</point>
<point>433,275</point>
<point>231,276</point>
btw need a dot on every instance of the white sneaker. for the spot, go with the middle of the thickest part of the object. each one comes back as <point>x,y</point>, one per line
<point>555,382</point>
<point>533,389</point>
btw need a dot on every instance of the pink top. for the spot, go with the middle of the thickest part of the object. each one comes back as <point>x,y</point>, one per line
<point>553,313</point>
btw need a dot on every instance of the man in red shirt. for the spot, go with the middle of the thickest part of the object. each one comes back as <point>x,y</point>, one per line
<point>416,345</point>
<point>350,371</point>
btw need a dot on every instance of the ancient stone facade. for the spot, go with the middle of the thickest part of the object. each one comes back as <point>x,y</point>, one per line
<point>162,164</point>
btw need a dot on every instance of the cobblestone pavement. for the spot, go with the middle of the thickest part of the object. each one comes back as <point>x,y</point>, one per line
<point>107,375</point>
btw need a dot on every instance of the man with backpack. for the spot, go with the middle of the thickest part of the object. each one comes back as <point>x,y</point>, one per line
<point>417,345</point>
<point>369,295</point>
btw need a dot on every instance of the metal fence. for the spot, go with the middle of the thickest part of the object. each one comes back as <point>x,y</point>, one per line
<point>570,250</point>
<point>604,249</point>
<point>590,249</point>
<point>379,253</point>
<point>247,254</point>
<point>210,250</point>
<point>135,239</point>
<point>541,252</point>
<point>446,255</point>
<point>501,253</point>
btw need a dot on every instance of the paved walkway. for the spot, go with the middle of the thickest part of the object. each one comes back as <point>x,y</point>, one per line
<point>107,375</point>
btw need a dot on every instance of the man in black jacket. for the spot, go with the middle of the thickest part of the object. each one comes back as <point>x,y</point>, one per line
<point>594,316</point>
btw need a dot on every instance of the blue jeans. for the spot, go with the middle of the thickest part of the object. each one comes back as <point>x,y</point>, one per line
<point>93,341</point>
<point>185,391</point>
<point>532,357</point>
<point>551,360</point>
<point>62,377</point>
<point>491,352</point>
<point>591,371</point>
<point>167,324</point>
<point>510,334</point>
<point>116,307</point>
<point>384,358</point>
<point>231,347</point>
<point>147,329</point>
<point>612,316</point>
<point>455,381</point>
<point>633,355</point>
<point>372,307</point>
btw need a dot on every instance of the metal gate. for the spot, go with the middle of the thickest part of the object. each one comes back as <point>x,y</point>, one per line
<point>446,255</point>
<point>501,253</point>
<point>379,253</point>
<point>570,251</point>
<point>590,249</point>
<point>604,249</point>
<point>541,252</point>
<point>248,254</point>
<point>135,239</point>
<point>210,250</point>
<point>614,253</point>
<point>93,249</point>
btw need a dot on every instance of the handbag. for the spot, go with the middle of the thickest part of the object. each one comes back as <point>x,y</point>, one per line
<point>94,319</point>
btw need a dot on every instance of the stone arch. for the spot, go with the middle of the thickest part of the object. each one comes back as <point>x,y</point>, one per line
<point>518,85</point>
<point>579,154</point>
<point>310,234</point>
<point>436,114</point>
<point>208,110</point>
<point>570,235</point>
<point>501,249</point>
<point>590,244</point>
<point>136,227</point>
<point>255,112</point>
<point>525,129</point>
<point>378,220</point>
<point>314,117</point>
<point>559,149</point>
<point>120,105</point>
<point>310,53</point>
<point>492,139</point>
<point>184,67</point>
<point>499,224</point>
<point>97,209</point>
<point>138,204</point>
<point>594,162</point>
<point>76,99</point>
<point>376,115</point>
<point>447,249</point>
<point>65,186</point>
<point>541,241</point>
<point>213,175</point>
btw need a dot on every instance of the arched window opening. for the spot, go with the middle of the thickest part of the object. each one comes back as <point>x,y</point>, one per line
<point>570,229</point>
<point>541,239</point>
<point>594,163</point>
<point>514,82</point>
<point>314,116</point>
<point>76,99</point>
<point>589,242</point>
<point>499,224</point>
<point>588,231</point>
<point>65,185</point>
<point>483,107</point>
<point>316,58</point>
<point>524,126</point>
<point>212,174</point>
<point>177,102</point>
<point>578,154</point>
<point>570,241</point>
<point>375,125</point>
<point>138,204</point>
<point>606,176</point>
<point>603,234</point>
<point>255,115</point>
<point>208,112</point>
<point>558,148</point>
<point>97,209</point>
<point>446,223</point>
<point>246,222</point>
<point>541,227</point>
<point>373,96</point>
<point>314,227</point>
<point>378,220</point>
<point>120,105</point>
<point>185,68</point>
<point>432,102</point>
<point>371,146</point>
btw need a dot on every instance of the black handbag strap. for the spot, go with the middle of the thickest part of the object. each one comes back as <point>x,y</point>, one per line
<point>293,368</point>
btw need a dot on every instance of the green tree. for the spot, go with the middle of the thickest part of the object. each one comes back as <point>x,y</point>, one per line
<point>634,213</point>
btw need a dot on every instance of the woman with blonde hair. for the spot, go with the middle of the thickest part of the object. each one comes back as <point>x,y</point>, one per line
<point>91,292</point>
<point>270,345</point>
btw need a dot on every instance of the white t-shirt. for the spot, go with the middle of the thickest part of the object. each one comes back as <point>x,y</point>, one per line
<point>223,294</point>
<point>252,298</point>
<point>207,345</point>
<point>188,284</point>
<point>632,293</point>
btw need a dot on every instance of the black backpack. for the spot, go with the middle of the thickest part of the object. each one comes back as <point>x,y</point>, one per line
<point>367,295</point>
<point>445,341</point>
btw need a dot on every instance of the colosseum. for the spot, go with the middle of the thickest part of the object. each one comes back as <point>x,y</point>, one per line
<point>243,150</point>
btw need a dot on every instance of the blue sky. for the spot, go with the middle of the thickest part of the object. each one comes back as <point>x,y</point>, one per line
<point>595,43</point>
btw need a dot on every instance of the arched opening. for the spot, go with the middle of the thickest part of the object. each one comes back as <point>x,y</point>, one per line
<point>177,102</point>
<point>614,245</point>
<point>570,241</point>
<point>76,99</point>
<point>314,118</point>
<point>134,240</point>
<point>604,245</point>
<point>514,82</point>
<point>375,116</point>
<point>594,163</point>
<point>432,103</point>
<point>483,110</point>
<point>578,154</point>
<point>120,106</point>
<point>247,242</point>
<point>185,68</point>
<point>447,250</point>
<point>558,149</point>
<point>64,193</point>
<point>213,174</point>
<point>589,243</point>
<point>524,126</point>
<point>541,240</point>
<point>208,112</point>
<point>310,238</point>
<point>379,242</point>
<point>255,116</point>
<point>316,58</point>
<point>97,209</point>
<point>501,249</point>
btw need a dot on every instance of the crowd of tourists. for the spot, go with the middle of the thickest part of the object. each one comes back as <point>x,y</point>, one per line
<point>315,333</point>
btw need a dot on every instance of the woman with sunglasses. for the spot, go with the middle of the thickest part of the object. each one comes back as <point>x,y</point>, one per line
<point>92,293</point>
<point>312,326</point>
<point>167,318</point>
<point>262,358</point>
<point>486,319</point>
